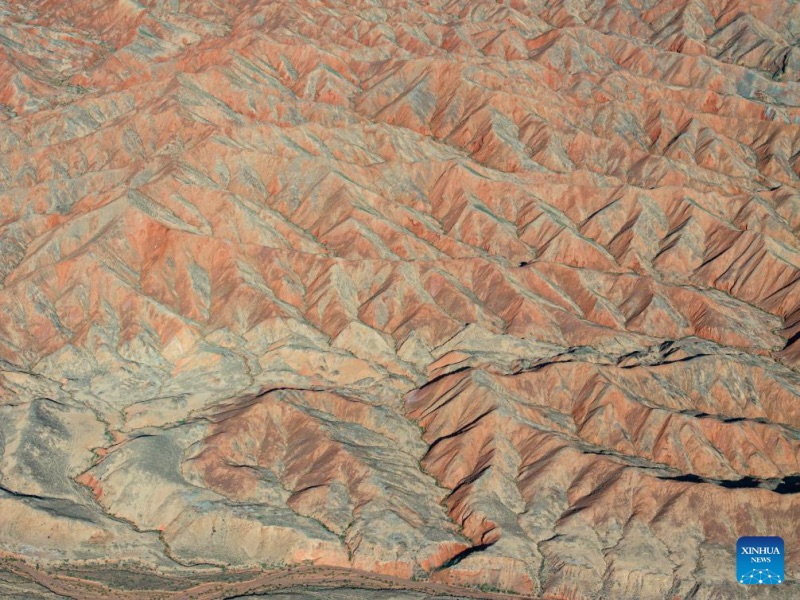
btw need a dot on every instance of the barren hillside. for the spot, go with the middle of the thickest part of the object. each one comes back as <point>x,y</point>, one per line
<point>492,296</point>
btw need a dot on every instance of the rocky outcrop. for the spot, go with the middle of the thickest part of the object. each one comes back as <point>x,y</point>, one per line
<point>497,294</point>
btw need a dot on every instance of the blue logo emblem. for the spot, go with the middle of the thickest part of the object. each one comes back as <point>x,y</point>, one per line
<point>759,560</point>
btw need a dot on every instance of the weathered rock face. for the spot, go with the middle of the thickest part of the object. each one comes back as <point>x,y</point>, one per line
<point>485,293</point>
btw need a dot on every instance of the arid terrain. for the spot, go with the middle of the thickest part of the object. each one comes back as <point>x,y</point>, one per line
<point>395,299</point>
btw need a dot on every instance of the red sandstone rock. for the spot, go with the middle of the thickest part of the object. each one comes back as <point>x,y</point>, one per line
<point>486,293</point>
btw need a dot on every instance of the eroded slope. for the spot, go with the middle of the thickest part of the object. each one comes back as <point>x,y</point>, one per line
<point>481,293</point>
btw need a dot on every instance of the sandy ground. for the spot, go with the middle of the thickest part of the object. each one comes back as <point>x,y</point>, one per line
<point>299,582</point>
